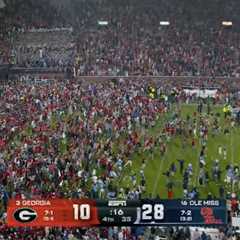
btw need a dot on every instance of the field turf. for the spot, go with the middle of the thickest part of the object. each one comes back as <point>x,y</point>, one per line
<point>156,165</point>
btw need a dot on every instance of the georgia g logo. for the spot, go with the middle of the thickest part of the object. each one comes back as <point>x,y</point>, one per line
<point>25,215</point>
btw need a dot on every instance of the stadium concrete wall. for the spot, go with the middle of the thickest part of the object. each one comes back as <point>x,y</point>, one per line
<point>228,83</point>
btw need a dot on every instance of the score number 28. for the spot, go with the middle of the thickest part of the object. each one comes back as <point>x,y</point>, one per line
<point>151,212</point>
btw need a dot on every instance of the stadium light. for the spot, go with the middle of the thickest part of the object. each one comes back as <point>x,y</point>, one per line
<point>2,4</point>
<point>227,23</point>
<point>164,23</point>
<point>103,23</point>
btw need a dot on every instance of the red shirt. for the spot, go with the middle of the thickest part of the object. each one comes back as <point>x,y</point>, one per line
<point>170,194</point>
<point>2,143</point>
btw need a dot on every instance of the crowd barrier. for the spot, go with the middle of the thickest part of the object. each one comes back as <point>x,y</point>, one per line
<point>232,83</point>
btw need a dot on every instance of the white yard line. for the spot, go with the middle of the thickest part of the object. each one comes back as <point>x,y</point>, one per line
<point>198,153</point>
<point>158,175</point>
<point>232,148</point>
<point>159,172</point>
<point>197,170</point>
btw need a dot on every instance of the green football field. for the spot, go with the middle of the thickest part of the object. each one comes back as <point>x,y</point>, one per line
<point>157,165</point>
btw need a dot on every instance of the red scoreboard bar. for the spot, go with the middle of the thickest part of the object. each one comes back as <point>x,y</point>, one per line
<point>52,213</point>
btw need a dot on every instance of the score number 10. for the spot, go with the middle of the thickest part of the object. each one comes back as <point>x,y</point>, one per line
<point>81,212</point>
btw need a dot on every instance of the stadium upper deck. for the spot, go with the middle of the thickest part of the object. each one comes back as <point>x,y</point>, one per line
<point>133,42</point>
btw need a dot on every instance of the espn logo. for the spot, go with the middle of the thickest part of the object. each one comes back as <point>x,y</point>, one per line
<point>117,203</point>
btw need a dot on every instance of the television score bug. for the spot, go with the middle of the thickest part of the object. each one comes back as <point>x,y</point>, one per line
<point>87,212</point>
